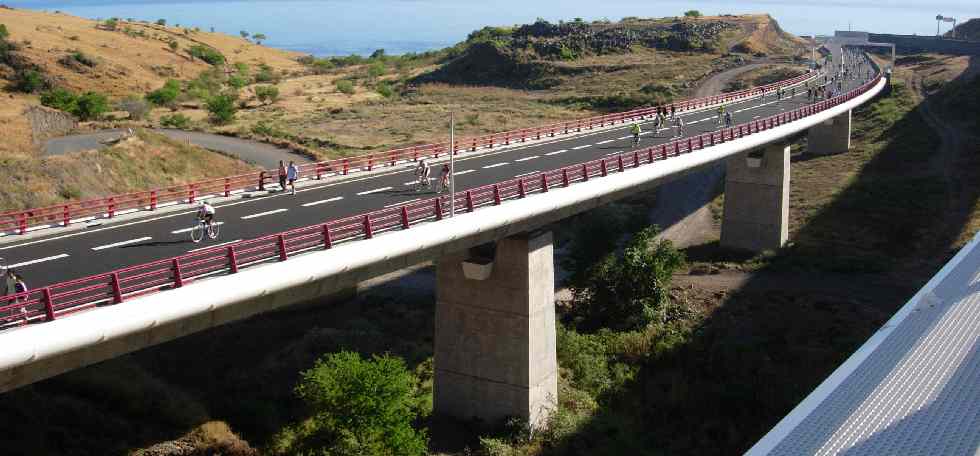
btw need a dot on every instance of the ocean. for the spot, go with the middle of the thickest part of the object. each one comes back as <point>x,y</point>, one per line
<point>344,27</point>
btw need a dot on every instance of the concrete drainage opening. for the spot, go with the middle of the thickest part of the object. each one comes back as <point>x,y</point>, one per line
<point>754,158</point>
<point>479,264</point>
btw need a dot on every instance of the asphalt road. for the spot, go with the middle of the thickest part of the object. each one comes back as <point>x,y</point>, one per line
<point>261,154</point>
<point>59,257</point>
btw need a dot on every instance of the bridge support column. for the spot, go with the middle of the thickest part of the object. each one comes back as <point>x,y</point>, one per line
<point>756,214</point>
<point>495,338</point>
<point>830,137</point>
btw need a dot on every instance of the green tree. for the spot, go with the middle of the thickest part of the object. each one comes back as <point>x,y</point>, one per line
<point>627,292</point>
<point>91,106</point>
<point>222,108</point>
<point>166,95</point>
<point>267,94</point>
<point>378,54</point>
<point>207,54</point>
<point>162,22</point>
<point>111,23</point>
<point>692,13</point>
<point>359,407</point>
<point>259,38</point>
<point>173,45</point>
<point>4,34</point>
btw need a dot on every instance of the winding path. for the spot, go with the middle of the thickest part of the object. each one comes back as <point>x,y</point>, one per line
<point>261,154</point>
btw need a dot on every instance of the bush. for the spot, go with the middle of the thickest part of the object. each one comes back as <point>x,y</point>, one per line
<point>207,54</point>
<point>91,105</point>
<point>259,38</point>
<point>358,406</point>
<point>267,94</point>
<point>30,81</point>
<point>4,33</point>
<point>173,45</point>
<point>377,70</point>
<point>176,121</point>
<point>345,86</point>
<point>166,95</point>
<point>111,23</point>
<point>266,74</point>
<point>162,22</point>
<point>136,107</point>
<point>60,99</point>
<point>385,90</point>
<point>237,81</point>
<point>222,108</point>
<point>80,57</point>
<point>692,13</point>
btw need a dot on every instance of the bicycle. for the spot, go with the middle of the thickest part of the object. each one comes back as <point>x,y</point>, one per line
<point>443,184</point>
<point>636,140</point>
<point>212,230</point>
<point>422,183</point>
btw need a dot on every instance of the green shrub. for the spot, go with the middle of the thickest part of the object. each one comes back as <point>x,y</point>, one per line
<point>222,108</point>
<point>267,94</point>
<point>162,22</point>
<point>377,70</point>
<point>241,68</point>
<point>60,99</point>
<point>345,86</point>
<point>4,33</point>
<point>358,406</point>
<point>692,13</point>
<point>237,81</point>
<point>173,45</point>
<point>266,74</point>
<point>207,54</point>
<point>385,90</point>
<point>111,23</point>
<point>166,95</point>
<point>30,81</point>
<point>80,57</point>
<point>175,121</point>
<point>91,106</point>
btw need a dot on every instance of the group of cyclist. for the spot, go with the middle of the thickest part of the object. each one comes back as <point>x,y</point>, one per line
<point>422,172</point>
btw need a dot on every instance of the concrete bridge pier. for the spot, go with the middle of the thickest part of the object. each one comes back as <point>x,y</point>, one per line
<point>495,351</point>
<point>756,216</point>
<point>831,136</point>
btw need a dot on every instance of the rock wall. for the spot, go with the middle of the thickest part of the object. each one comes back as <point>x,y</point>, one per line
<point>47,123</point>
<point>911,44</point>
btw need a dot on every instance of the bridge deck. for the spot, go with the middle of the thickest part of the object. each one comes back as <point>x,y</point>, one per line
<point>912,389</point>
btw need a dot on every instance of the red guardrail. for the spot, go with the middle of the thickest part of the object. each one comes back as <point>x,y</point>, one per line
<point>20,221</point>
<point>65,298</point>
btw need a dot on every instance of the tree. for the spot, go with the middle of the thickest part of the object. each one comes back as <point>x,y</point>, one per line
<point>244,34</point>
<point>627,292</point>
<point>111,23</point>
<point>358,406</point>
<point>207,54</point>
<point>267,93</point>
<point>378,54</point>
<point>259,37</point>
<point>91,105</point>
<point>222,108</point>
<point>162,22</point>
<point>692,13</point>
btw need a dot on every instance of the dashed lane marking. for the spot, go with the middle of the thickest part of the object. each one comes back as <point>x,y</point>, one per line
<point>527,174</point>
<point>582,147</point>
<point>263,214</point>
<point>317,203</point>
<point>377,190</point>
<point>40,260</point>
<point>527,158</point>
<point>460,173</point>
<point>120,244</point>
<point>605,142</point>
<point>556,152</point>
<point>495,165</point>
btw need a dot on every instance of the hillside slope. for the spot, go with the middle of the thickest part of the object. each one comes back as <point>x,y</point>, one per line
<point>969,30</point>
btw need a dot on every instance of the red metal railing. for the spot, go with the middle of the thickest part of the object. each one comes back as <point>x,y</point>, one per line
<point>65,298</point>
<point>20,221</point>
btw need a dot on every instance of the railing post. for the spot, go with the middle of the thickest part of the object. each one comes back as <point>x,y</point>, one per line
<point>496,195</point>
<point>649,155</point>
<point>112,207</point>
<point>116,290</point>
<point>690,144</point>
<point>405,224</point>
<point>677,147</point>
<point>261,180</point>
<point>521,191</point>
<point>368,231</point>
<point>48,304</point>
<point>370,162</point>
<point>619,161</point>
<point>663,151</point>
<point>544,182</point>
<point>191,195</point>
<point>439,208</point>
<point>636,159</point>
<point>66,215</point>
<point>281,241</point>
<point>178,276</point>
<point>227,187</point>
<point>564,177</point>
<point>327,241</point>
<point>394,158</point>
<point>153,200</point>
<point>585,171</point>
<point>605,171</point>
<point>232,259</point>
<point>469,201</point>
<point>319,171</point>
<point>346,166</point>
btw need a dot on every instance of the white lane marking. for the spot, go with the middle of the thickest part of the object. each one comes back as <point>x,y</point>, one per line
<point>41,260</point>
<point>262,214</point>
<point>613,153</point>
<point>213,246</point>
<point>527,174</point>
<point>527,158</point>
<point>402,203</point>
<point>118,244</point>
<point>377,190</point>
<point>460,173</point>
<point>582,147</point>
<point>317,203</point>
<point>605,142</point>
<point>410,183</point>
<point>556,152</point>
<point>496,165</point>
<point>188,230</point>
<point>624,137</point>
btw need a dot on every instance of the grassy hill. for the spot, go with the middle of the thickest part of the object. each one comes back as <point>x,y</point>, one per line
<point>969,30</point>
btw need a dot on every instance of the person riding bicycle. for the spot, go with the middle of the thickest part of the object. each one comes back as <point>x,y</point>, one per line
<point>721,114</point>
<point>635,130</point>
<point>728,119</point>
<point>205,213</point>
<point>422,172</point>
<point>444,177</point>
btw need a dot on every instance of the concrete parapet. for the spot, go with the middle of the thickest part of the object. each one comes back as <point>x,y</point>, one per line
<point>831,136</point>
<point>756,214</point>
<point>495,353</point>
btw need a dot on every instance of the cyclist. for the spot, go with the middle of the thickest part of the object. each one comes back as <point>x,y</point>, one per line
<point>635,129</point>
<point>444,178</point>
<point>728,119</point>
<point>679,124</point>
<point>721,115</point>
<point>422,173</point>
<point>205,213</point>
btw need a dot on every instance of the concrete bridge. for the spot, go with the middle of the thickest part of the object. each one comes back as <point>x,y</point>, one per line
<point>495,318</point>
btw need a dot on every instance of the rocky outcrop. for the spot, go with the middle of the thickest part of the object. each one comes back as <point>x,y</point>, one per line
<point>47,123</point>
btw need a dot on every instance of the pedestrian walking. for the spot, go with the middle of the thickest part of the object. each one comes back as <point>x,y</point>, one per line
<point>282,175</point>
<point>292,173</point>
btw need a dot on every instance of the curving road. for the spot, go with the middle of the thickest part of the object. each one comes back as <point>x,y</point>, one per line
<point>261,154</point>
